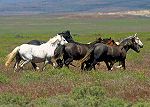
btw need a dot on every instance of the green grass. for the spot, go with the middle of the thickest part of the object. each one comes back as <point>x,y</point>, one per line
<point>71,88</point>
<point>4,79</point>
<point>12,100</point>
<point>61,76</point>
<point>49,25</point>
<point>89,96</point>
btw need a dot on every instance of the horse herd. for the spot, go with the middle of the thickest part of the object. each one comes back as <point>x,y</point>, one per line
<point>62,50</point>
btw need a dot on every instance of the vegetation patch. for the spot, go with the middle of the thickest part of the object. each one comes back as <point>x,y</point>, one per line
<point>4,79</point>
<point>89,96</point>
<point>13,100</point>
<point>30,76</point>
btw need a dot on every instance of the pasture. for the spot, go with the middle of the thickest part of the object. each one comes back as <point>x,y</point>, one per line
<point>71,87</point>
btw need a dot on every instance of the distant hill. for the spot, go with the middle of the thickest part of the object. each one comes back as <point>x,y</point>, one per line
<point>70,6</point>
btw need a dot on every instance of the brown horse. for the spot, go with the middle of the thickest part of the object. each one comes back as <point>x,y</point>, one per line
<point>76,51</point>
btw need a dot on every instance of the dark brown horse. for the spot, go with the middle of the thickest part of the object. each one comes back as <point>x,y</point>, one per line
<point>76,51</point>
<point>107,41</point>
<point>111,54</point>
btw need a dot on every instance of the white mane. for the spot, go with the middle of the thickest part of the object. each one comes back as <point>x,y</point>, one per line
<point>52,40</point>
<point>129,37</point>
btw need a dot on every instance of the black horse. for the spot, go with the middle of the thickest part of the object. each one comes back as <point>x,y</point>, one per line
<point>75,51</point>
<point>111,54</point>
<point>65,34</point>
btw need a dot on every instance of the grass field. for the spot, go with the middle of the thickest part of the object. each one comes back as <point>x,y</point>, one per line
<point>69,87</point>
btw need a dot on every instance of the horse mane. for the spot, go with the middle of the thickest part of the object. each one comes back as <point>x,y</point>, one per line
<point>122,40</point>
<point>53,40</point>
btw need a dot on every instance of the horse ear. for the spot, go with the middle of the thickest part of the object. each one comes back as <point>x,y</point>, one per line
<point>110,38</point>
<point>113,42</point>
<point>99,38</point>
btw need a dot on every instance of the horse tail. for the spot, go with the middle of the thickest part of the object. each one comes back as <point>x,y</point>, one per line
<point>11,56</point>
<point>59,51</point>
<point>88,54</point>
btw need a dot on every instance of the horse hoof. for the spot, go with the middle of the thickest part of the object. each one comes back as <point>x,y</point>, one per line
<point>37,68</point>
<point>16,70</point>
<point>118,66</point>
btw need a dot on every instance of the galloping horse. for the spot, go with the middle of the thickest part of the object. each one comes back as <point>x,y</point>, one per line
<point>111,54</point>
<point>75,51</point>
<point>36,54</point>
<point>121,42</point>
<point>65,34</point>
<point>107,41</point>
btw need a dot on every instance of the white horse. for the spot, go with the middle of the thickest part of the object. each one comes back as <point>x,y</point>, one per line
<point>35,53</point>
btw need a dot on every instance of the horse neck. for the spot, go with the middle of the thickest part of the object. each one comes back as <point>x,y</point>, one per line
<point>71,41</point>
<point>54,43</point>
<point>125,45</point>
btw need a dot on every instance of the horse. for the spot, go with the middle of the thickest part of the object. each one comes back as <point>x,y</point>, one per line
<point>107,41</point>
<point>137,40</point>
<point>75,51</point>
<point>36,53</point>
<point>112,54</point>
<point>65,34</point>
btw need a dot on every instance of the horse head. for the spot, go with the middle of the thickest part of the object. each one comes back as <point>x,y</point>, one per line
<point>130,42</point>
<point>61,39</point>
<point>134,45</point>
<point>138,41</point>
<point>67,36</point>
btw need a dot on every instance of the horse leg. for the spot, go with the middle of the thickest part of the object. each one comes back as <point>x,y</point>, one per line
<point>18,59</point>
<point>16,64</point>
<point>82,66</point>
<point>123,64</point>
<point>88,67</point>
<point>111,65</point>
<point>108,66</point>
<point>23,63</point>
<point>59,63</point>
<point>35,66</point>
<point>68,61</point>
<point>45,63</point>
<point>120,65</point>
<point>93,64</point>
<point>56,63</point>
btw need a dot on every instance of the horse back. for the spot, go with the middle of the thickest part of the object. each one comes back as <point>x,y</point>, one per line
<point>77,51</point>
<point>105,52</point>
<point>116,52</point>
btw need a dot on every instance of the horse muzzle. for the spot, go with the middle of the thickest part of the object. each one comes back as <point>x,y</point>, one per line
<point>141,46</point>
